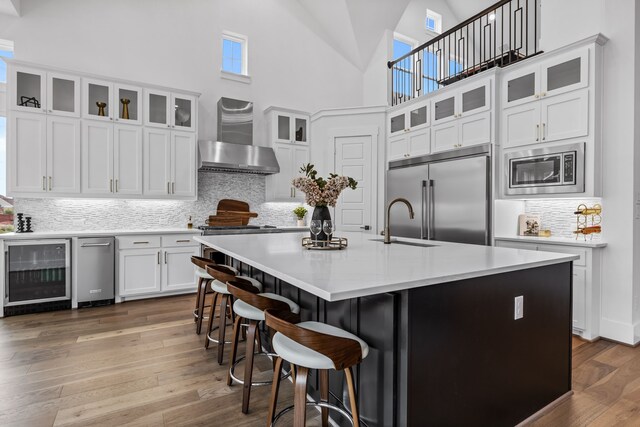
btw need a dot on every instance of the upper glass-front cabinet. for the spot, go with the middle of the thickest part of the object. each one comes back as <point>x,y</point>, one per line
<point>557,75</point>
<point>37,91</point>
<point>98,100</point>
<point>183,117</point>
<point>63,95</point>
<point>156,108</point>
<point>29,89</point>
<point>409,119</point>
<point>289,127</point>
<point>128,100</point>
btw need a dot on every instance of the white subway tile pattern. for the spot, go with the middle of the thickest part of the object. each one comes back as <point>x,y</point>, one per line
<point>112,214</point>
<point>557,215</point>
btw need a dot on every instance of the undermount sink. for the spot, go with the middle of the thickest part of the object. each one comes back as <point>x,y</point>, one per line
<point>402,242</point>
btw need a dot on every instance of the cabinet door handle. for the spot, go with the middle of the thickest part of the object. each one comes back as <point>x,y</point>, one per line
<point>165,257</point>
<point>158,257</point>
<point>116,185</point>
<point>538,132</point>
<point>168,187</point>
<point>44,183</point>
<point>111,185</point>
<point>50,186</point>
<point>173,187</point>
<point>543,131</point>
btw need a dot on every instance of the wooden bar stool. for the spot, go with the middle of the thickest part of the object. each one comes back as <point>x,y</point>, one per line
<point>250,306</point>
<point>221,275</point>
<point>203,289</point>
<point>313,345</point>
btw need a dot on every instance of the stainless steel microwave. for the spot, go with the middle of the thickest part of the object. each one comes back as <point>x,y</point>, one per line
<point>549,170</point>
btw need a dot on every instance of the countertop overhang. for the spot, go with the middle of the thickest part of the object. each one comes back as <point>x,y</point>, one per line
<point>95,233</point>
<point>369,267</point>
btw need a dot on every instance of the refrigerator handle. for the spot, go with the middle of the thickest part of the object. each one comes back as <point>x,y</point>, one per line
<point>430,212</point>
<point>423,209</point>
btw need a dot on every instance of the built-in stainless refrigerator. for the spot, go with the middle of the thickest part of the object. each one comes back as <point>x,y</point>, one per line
<point>450,193</point>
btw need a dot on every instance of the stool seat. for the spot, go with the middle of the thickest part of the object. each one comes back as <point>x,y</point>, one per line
<point>221,288</point>
<point>247,311</point>
<point>300,355</point>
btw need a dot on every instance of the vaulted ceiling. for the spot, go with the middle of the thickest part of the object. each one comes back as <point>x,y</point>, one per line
<point>354,27</point>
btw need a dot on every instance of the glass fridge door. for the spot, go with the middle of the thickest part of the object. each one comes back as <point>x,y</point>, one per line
<point>37,272</point>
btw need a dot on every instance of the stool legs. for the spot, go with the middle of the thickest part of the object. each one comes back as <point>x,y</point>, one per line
<point>234,347</point>
<point>348,373</point>
<point>275,386</point>
<point>248,364</point>
<point>300,397</point>
<point>200,303</point>
<point>324,395</point>
<point>198,296</point>
<point>223,327</point>
<point>212,312</point>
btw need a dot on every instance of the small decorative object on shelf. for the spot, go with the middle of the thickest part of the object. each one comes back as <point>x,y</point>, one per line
<point>299,134</point>
<point>321,193</point>
<point>20,223</point>
<point>528,225</point>
<point>300,213</point>
<point>29,101</point>
<point>101,106</point>
<point>189,223</point>
<point>27,221</point>
<point>125,108</point>
<point>182,116</point>
<point>588,220</point>
<point>335,243</point>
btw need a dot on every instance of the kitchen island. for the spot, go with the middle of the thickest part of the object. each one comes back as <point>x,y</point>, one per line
<point>439,318</point>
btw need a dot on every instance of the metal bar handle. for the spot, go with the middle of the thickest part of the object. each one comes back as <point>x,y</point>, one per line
<point>158,257</point>
<point>92,245</point>
<point>140,243</point>
<point>165,257</point>
<point>423,208</point>
<point>430,212</point>
<point>50,185</point>
<point>183,241</point>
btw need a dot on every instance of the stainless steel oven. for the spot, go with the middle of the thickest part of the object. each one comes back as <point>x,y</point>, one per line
<point>36,271</point>
<point>548,170</point>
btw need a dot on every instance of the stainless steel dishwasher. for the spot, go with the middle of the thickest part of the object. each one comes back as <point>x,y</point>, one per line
<point>96,275</point>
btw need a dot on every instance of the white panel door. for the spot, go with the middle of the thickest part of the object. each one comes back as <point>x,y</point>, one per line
<point>565,116</point>
<point>579,298</point>
<point>177,269</point>
<point>156,109</point>
<point>183,164</point>
<point>63,155</point>
<point>97,157</point>
<point>564,73</point>
<point>27,152</point>
<point>139,271</point>
<point>127,159</point>
<point>475,129</point>
<point>157,162</point>
<point>353,158</point>
<point>63,94</point>
<point>444,136</point>
<point>521,86</point>
<point>521,125</point>
<point>300,158</point>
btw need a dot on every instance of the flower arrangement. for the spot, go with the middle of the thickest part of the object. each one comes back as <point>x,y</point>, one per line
<point>321,192</point>
<point>300,212</point>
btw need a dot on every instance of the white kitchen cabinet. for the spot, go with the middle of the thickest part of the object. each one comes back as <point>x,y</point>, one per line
<point>63,94</point>
<point>98,100</point>
<point>153,265</point>
<point>169,163</point>
<point>290,158</point>
<point>551,119</point>
<point>132,96</point>
<point>177,269</point>
<point>462,132</point>
<point>288,126</point>
<point>139,271</point>
<point>170,110</point>
<point>553,76</point>
<point>586,282</point>
<point>127,160</point>
<point>409,119</point>
<point>44,154</point>
<point>409,144</point>
<point>38,91</point>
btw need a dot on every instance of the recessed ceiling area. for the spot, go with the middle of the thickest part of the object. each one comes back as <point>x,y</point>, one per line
<point>10,7</point>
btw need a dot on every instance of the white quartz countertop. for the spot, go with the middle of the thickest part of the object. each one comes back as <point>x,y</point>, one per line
<point>369,267</point>
<point>556,241</point>
<point>95,233</point>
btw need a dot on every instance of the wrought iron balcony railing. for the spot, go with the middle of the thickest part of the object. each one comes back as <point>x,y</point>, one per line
<point>500,35</point>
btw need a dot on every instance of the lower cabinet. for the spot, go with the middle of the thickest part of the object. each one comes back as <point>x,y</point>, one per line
<point>586,283</point>
<point>154,265</point>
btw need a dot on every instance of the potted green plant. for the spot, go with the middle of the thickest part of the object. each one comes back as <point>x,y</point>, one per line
<point>300,212</point>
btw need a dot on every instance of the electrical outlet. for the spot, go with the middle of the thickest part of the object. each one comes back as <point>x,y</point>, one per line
<point>518,307</point>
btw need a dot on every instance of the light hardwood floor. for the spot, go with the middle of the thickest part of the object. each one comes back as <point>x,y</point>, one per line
<point>140,363</point>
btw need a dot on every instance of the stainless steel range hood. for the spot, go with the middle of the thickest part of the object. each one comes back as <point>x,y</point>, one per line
<point>233,151</point>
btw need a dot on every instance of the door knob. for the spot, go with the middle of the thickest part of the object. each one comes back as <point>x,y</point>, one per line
<point>365,227</point>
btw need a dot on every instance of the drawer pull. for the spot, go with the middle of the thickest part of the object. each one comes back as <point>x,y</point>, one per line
<point>183,241</point>
<point>140,243</point>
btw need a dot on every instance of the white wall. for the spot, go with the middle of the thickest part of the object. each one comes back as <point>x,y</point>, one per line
<point>412,22</point>
<point>177,43</point>
<point>636,226</point>
<point>562,23</point>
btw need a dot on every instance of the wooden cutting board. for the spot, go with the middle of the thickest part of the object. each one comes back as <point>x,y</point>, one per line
<point>231,212</point>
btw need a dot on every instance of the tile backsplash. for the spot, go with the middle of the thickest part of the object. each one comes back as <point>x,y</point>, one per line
<point>558,216</point>
<point>112,214</point>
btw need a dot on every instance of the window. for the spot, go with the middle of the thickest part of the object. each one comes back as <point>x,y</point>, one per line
<point>403,70</point>
<point>6,204</point>
<point>433,21</point>
<point>234,53</point>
